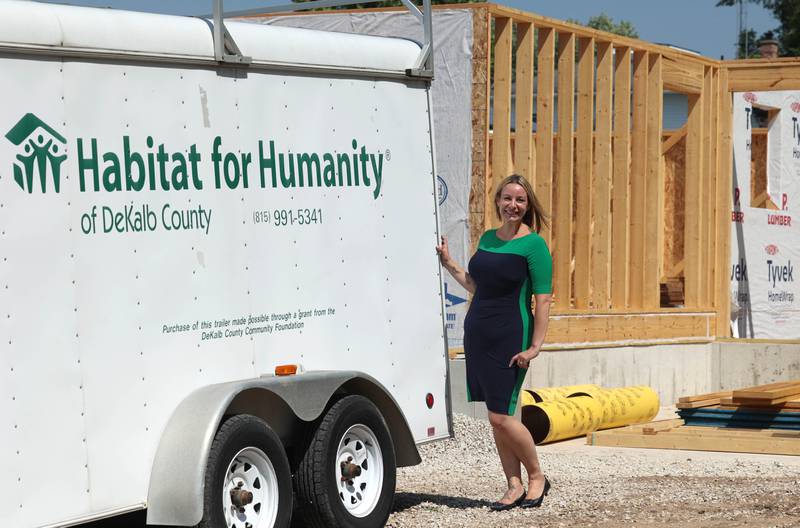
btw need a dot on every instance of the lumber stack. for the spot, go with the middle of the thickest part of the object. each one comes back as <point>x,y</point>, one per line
<point>771,406</point>
<point>673,434</point>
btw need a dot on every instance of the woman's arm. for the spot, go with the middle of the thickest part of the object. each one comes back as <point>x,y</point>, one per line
<point>460,275</point>
<point>541,314</point>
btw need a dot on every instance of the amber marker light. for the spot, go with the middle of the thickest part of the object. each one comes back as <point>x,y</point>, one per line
<point>286,370</point>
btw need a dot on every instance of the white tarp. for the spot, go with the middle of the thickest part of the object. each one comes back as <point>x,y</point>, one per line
<point>451,93</point>
<point>766,240</point>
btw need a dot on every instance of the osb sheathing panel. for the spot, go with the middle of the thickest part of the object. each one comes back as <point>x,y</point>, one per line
<point>674,187</point>
<point>480,121</point>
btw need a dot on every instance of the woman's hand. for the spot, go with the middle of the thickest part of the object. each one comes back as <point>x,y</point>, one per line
<point>523,359</point>
<point>444,252</point>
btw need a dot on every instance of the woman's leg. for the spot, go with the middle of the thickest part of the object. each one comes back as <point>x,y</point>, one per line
<point>508,459</point>
<point>515,437</point>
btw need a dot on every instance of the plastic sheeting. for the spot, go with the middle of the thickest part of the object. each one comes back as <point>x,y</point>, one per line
<point>765,241</point>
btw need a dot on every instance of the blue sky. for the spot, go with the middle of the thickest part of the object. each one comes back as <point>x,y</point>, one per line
<point>694,24</point>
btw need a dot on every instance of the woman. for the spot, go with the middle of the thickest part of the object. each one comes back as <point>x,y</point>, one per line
<point>511,264</point>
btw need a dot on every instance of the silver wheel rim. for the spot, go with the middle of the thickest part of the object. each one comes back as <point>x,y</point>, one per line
<point>360,494</point>
<point>251,471</point>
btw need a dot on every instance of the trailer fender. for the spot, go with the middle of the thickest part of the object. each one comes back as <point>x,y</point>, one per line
<point>175,495</point>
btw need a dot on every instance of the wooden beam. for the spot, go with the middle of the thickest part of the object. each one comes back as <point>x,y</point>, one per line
<point>692,252</point>
<point>654,212</point>
<point>601,209</point>
<point>724,192</point>
<point>562,214</point>
<point>638,178</point>
<point>705,184</point>
<point>618,328</point>
<point>620,203</point>
<point>763,75</point>
<point>710,191</point>
<point>544,122</point>
<point>502,164</point>
<point>524,153</point>
<point>682,75</point>
<point>673,139</point>
<point>583,171</point>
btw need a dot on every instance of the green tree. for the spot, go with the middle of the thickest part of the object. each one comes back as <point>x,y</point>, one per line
<point>603,22</point>
<point>747,47</point>
<point>788,14</point>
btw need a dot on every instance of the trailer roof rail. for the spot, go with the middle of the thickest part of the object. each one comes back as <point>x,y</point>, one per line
<point>226,50</point>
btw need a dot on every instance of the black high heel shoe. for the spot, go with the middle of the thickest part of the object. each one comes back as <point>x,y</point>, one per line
<point>535,503</point>
<point>499,506</point>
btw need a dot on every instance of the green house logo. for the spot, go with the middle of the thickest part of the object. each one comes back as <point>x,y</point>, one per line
<point>41,152</point>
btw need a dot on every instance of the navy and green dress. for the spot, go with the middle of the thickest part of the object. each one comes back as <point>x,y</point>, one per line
<point>499,323</point>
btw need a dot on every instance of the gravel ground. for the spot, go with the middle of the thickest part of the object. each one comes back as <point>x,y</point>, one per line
<point>598,486</point>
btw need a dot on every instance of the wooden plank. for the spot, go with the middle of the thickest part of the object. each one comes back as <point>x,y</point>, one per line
<point>601,201</point>
<point>524,153</point>
<point>683,76</point>
<point>711,192</point>
<point>698,404</point>
<point>673,139</point>
<point>654,190</point>
<point>620,203</point>
<point>562,212</point>
<point>708,396</point>
<point>705,193</point>
<point>673,439</point>
<point>621,328</point>
<point>545,54</point>
<point>723,195</point>
<point>661,425</point>
<point>583,171</point>
<point>501,121</point>
<point>638,179</point>
<point>692,217</point>
<point>761,75</point>
<point>769,393</point>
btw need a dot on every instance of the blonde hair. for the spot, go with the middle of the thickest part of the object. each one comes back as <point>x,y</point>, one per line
<point>535,217</point>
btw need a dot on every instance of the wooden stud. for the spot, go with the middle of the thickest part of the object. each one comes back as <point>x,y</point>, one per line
<point>710,195</point>
<point>762,75</point>
<point>502,164</point>
<point>705,189</point>
<point>638,179</point>
<point>583,170</point>
<point>562,213</point>
<point>601,210</point>
<point>620,202</point>
<point>544,122</point>
<point>692,252</point>
<point>723,208</point>
<point>654,212</point>
<point>524,154</point>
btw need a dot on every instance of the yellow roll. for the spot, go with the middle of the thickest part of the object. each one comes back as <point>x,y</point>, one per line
<point>588,408</point>
<point>554,393</point>
<point>553,420</point>
<point>625,405</point>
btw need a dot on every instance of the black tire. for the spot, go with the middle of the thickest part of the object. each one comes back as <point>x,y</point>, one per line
<point>316,486</point>
<point>237,433</point>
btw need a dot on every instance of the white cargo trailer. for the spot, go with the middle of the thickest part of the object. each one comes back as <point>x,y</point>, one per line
<point>188,209</point>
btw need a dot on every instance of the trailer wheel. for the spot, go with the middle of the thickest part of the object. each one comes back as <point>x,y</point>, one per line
<point>248,482</point>
<point>347,476</point>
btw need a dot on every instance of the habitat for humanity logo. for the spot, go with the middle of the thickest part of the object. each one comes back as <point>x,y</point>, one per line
<point>41,148</point>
